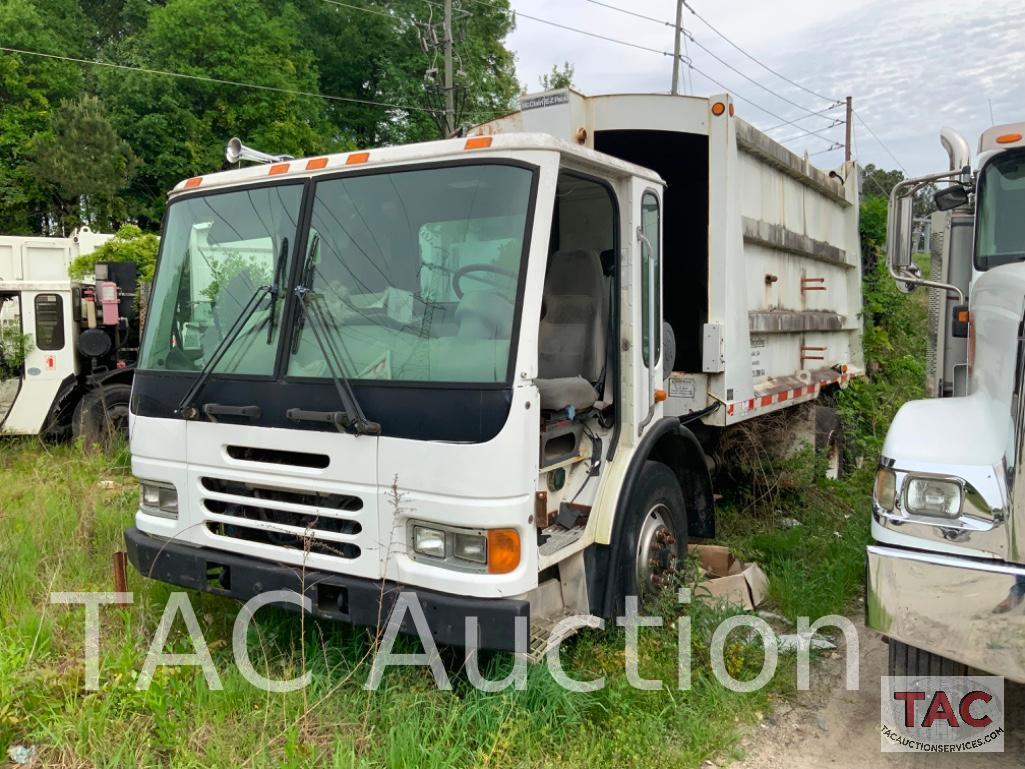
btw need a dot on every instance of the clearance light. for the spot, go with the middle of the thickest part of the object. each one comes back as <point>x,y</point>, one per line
<point>660,395</point>
<point>194,182</point>
<point>1008,138</point>
<point>731,110</point>
<point>478,143</point>
<point>278,168</point>
<point>357,158</point>
<point>503,550</point>
<point>316,164</point>
<point>718,108</point>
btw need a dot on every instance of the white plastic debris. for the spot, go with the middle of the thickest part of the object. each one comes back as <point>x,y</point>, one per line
<point>21,754</point>
<point>793,641</point>
<point>789,523</point>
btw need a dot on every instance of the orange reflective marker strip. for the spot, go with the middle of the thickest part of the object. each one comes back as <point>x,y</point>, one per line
<point>316,164</point>
<point>478,143</point>
<point>357,158</point>
<point>278,168</point>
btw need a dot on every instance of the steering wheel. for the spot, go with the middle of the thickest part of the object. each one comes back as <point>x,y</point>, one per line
<point>458,275</point>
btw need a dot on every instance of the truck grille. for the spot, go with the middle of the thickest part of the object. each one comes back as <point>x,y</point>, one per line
<point>310,521</point>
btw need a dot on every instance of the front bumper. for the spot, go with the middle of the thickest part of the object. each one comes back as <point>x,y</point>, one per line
<point>946,605</point>
<point>353,600</point>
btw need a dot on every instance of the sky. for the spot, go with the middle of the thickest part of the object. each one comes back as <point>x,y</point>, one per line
<point>911,66</point>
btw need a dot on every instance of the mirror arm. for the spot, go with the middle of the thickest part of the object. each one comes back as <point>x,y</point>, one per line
<point>897,193</point>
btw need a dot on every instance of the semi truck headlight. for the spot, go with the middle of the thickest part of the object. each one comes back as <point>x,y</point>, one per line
<point>496,551</point>
<point>429,541</point>
<point>470,547</point>
<point>885,490</point>
<point>158,499</point>
<point>933,496</point>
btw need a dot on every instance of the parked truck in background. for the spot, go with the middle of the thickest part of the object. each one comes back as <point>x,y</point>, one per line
<point>72,344</point>
<point>946,575</point>
<point>490,370</point>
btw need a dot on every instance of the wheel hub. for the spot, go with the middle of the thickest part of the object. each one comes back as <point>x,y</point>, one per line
<point>656,550</point>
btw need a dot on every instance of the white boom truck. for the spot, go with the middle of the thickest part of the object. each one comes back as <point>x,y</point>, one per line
<point>946,577</point>
<point>441,368</point>
<point>72,343</point>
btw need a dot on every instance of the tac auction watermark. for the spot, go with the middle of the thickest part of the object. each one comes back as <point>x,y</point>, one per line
<point>941,714</point>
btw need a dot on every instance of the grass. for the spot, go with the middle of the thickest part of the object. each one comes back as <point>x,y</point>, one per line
<point>61,517</point>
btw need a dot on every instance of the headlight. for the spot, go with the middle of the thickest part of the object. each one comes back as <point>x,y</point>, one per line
<point>158,499</point>
<point>933,496</point>
<point>495,551</point>
<point>471,547</point>
<point>429,541</point>
<point>885,490</point>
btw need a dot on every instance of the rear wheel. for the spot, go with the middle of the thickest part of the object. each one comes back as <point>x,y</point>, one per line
<point>102,414</point>
<point>655,533</point>
<point>908,660</point>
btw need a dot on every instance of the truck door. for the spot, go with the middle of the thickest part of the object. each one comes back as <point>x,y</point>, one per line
<point>645,311</point>
<point>49,357</point>
<point>12,352</point>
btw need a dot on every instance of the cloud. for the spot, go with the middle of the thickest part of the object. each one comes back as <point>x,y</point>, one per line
<point>911,66</point>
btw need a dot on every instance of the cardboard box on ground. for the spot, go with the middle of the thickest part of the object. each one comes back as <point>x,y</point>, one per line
<point>729,579</point>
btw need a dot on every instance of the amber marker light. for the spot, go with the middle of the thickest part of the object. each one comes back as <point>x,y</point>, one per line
<point>503,550</point>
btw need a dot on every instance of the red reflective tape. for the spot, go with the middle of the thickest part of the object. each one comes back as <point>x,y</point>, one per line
<point>751,405</point>
<point>782,396</point>
<point>729,410</point>
<point>766,400</point>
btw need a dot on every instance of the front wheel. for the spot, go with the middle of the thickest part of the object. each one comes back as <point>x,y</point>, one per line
<point>102,414</point>
<point>654,535</point>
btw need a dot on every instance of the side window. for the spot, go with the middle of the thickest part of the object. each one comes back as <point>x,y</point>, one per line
<point>49,322</point>
<point>650,227</point>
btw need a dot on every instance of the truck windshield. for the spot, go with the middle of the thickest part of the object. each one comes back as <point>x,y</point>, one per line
<point>1000,233</point>
<point>216,252</point>
<point>416,273</point>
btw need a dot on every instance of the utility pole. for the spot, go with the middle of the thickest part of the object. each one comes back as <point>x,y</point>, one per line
<point>850,118</point>
<point>450,91</point>
<point>678,33</point>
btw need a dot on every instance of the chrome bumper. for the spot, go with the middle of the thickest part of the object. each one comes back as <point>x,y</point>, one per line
<point>945,605</point>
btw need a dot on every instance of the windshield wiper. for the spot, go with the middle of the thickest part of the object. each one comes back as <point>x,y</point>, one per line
<point>279,269</point>
<point>185,407</point>
<point>352,418</point>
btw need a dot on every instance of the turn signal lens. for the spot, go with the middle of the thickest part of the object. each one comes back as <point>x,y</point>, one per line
<point>1008,138</point>
<point>503,550</point>
<point>194,182</point>
<point>660,395</point>
<point>885,490</point>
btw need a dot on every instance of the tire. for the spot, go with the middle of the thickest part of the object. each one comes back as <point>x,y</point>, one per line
<point>911,661</point>
<point>829,441</point>
<point>102,415</point>
<point>654,535</point>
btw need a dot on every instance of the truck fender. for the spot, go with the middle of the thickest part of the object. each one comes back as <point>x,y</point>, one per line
<point>673,444</point>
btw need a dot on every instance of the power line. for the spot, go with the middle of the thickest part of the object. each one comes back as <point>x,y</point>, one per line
<point>881,142</point>
<point>217,80</point>
<point>363,8</point>
<point>811,113</point>
<point>690,36</point>
<point>755,60</point>
<point>805,117</point>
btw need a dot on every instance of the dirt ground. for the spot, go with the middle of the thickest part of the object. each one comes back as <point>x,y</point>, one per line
<point>832,727</point>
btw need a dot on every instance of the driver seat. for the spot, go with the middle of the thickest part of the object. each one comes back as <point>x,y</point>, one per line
<point>572,335</point>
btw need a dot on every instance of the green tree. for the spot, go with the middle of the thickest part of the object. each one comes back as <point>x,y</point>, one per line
<point>30,87</point>
<point>558,78</point>
<point>129,244</point>
<point>83,165</point>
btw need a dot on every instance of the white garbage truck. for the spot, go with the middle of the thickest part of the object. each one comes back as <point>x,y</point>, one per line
<point>68,349</point>
<point>488,370</point>
<point>946,575</point>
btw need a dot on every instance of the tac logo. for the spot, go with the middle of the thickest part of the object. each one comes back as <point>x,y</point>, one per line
<point>942,714</point>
